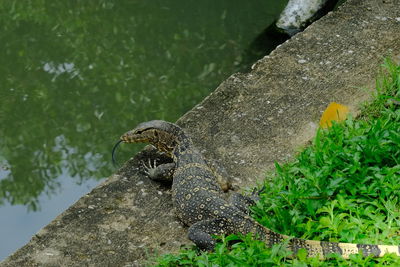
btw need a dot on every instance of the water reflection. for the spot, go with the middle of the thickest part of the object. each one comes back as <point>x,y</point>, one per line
<point>74,75</point>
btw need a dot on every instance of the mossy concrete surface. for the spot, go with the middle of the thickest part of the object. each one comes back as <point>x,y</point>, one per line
<point>249,122</point>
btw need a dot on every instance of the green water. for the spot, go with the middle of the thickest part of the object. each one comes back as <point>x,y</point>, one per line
<point>75,75</point>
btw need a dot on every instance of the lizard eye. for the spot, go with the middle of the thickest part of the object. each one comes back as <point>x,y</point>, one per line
<point>142,130</point>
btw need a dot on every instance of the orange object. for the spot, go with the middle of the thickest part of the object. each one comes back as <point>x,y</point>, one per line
<point>334,112</point>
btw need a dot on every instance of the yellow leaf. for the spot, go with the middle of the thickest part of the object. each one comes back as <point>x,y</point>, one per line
<point>334,112</point>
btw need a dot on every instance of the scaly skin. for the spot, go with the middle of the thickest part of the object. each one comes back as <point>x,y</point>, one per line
<point>198,200</point>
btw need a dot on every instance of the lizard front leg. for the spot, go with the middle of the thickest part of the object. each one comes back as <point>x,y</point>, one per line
<point>160,173</point>
<point>156,165</point>
<point>220,174</point>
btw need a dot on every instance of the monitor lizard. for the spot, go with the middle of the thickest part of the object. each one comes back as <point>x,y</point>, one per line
<point>199,202</point>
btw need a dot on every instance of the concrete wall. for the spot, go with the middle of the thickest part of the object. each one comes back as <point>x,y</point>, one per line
<point>247,123</point>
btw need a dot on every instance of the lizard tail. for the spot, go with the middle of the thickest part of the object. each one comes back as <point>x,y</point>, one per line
<point>323,248</point>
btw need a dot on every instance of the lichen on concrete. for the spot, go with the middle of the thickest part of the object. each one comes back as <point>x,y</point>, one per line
<point>249,122</point>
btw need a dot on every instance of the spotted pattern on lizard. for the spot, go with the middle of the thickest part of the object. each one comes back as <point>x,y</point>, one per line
<point>199,203</point>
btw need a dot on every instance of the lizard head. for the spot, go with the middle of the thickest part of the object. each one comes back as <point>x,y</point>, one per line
<point>163,135</point>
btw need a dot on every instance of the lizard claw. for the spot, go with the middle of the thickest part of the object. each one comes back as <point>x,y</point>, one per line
<point>149,168</point>
<point>255,195</point>
<point>258,192</point>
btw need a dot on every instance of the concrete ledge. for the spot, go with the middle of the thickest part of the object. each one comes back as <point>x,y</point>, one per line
<point>247,123</point>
